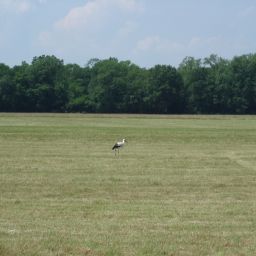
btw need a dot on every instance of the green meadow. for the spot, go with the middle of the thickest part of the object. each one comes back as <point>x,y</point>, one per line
<point>183,185</point>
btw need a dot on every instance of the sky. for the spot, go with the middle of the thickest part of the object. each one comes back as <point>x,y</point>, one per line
<point>146,32</point>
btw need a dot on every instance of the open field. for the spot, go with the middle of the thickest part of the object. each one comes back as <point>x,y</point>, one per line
<point>183,185</point>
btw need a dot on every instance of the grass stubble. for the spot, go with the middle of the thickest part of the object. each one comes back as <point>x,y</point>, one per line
<point>183,185</point>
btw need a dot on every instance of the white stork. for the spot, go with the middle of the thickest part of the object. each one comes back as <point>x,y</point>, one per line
<point>118,145</point>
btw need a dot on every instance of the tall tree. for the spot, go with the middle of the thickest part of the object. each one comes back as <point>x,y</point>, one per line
<point>78,79</point>
<point>48,87</point>
<point>108,85</point>
<point>135,99</point>
<point>7,89</point>
<point>165,90</point>
<point>244,84</point>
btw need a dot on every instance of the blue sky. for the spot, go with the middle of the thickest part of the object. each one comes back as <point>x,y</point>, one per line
<point>147,32</point>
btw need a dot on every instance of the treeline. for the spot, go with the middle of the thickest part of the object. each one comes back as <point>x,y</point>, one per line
<point>211,85</point>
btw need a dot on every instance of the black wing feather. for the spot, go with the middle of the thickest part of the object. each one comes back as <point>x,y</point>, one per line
<point>115,146</point>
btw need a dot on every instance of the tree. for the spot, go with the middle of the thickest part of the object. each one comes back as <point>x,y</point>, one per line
<point>108,85</point>
<point>47,88</point>
<point>244,84</point>
<point>78,79</point>
<point>22,82</point>
<point>166,91</point>
<point>219,81</point>
<point>135,99</point>
<point>188,69</point>
<point>7,89</point>
<point>210,85</point>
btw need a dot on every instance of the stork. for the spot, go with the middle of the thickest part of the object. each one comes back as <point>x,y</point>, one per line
<point>118,145</point>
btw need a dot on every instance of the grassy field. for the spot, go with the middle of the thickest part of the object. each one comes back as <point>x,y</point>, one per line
<point>183,185</point>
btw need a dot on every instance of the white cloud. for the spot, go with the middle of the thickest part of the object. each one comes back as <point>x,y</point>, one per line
<point>45,38</point>
<point>99,28</point>
<point>157,44</point>
<point>42,1</point>
<point>95,11</point>
<point>166,49</point>
<point>213,42</point>
<point>249,11</point>
<point>148,43</point>
<point>18,6</point>
<point>131,5</point>
<point>80,16</point>
<point>128,28</point>
<point>163,45</point>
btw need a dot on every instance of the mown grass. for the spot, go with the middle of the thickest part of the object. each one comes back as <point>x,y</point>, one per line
<point>184,185</point>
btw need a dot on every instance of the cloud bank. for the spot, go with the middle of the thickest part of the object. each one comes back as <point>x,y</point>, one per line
<point>95,29</point>
<point>145,32</point>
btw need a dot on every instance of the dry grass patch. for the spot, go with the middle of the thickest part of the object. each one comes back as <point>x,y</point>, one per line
<point>182,186</point>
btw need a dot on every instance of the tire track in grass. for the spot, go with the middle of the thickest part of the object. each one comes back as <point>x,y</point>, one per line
<point>243,163</point>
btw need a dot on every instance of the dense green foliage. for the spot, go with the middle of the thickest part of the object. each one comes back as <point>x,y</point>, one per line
<point>210,85</point>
